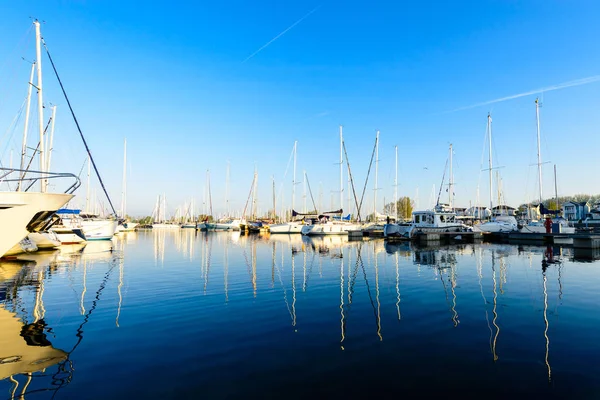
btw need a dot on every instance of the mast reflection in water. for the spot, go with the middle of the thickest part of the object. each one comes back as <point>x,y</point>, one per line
<point>183,314</point>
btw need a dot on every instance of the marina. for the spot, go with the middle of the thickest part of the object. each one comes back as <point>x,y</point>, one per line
<point>313,310</point>
<point>311,221</point>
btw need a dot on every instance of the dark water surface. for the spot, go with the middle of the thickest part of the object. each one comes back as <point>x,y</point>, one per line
<point>218,315</point>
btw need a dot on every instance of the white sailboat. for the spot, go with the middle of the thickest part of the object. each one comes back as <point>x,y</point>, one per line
<point>25,211</point>
<point>500,223</point>
<point>328,225</point>
<point>124,224</point>
<point>293,226</point>
<point>160,221</point>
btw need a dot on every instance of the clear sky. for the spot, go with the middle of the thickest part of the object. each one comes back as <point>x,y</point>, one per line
<point>184,83</point>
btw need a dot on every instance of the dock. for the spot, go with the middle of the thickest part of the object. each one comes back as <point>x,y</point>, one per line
<point>578,240</point>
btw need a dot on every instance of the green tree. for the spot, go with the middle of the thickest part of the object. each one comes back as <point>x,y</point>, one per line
<point>405,206</point>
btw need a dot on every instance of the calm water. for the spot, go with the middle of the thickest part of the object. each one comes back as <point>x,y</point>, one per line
<point>219,315</point>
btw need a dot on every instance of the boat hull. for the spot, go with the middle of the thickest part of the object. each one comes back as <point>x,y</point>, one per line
<point>165,226</point>
<point>328,229</point>
<point>21,211</point>
<point>45,240</point>
<point>69,236</point>
<point>396,230</point>
<point>286,228</point>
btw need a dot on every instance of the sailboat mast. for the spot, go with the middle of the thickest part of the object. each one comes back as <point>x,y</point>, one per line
<point>341,168</point>
<point>38,55</point>
<point>87,195</point>
<point>209,193</point>
<point>555,188</point>
<point>123,190</point>
<point>539,154</point>
<point>450,181</point>
<point>227,188</point>
<point>490,159</point>
<point>294,178</point>
<point>274,208</point>
<point>304,192</point>
<point>376,173</point>
<point>396,184</point>
<point>50,139</point>
<point>26,126</point>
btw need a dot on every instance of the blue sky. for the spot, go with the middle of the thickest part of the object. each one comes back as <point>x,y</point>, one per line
<point>171,78</point>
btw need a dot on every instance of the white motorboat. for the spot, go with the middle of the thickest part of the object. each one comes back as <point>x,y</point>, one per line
<point>500,224</point>
<point>230,225</point>
<point>439,220</point>
<point>45,240</point>
<point>93,227</point>
<point>335,227</point>
<point>287,227</point>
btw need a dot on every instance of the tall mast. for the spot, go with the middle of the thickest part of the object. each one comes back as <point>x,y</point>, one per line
<point>396,185</point>
<point>376,173</point>
<point>209,194</point>
<point>304,192</point>
<point>227,188</point>
<point>124,188</point>
<point>254,193</point>
<point>274,208</point>
<point>539,154</point>
<point>341,169</point>
<point>490,158</point>
<point>87,195</point>
<point>26,127</point>
<point>294,178</point>
<point>450,181</point>
<point>50,139</point>
<point>555,188</point>
<point>38,55</point>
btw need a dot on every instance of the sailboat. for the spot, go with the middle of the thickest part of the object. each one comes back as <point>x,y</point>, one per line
<point>533,226</point>
<point>124,224</point>
<point>202,225</point>
<point>333,222</point>
<point>160,215</point>
<point>25,210</point>
<point>294,225</point>
<point>500,223</point>
<point>228,223</point>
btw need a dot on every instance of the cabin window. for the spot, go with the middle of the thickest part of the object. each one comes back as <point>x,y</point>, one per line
<point>442,218</point>
<point>417,219</point>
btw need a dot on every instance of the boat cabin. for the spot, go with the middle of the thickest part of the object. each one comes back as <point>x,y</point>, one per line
<point>434,219</point>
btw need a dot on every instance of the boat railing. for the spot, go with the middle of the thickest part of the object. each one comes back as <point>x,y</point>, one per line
<point>27,178</point>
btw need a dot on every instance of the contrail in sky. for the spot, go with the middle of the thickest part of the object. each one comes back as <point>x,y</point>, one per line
<point>576,82</point>
<point>281,34</point>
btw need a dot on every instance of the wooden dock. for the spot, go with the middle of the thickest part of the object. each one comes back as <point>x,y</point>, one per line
<point>578,240</point>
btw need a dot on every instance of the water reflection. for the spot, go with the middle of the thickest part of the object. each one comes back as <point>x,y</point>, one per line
<point>362,292</point>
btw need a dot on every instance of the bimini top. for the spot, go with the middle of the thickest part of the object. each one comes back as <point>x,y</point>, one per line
<point>67,211</point>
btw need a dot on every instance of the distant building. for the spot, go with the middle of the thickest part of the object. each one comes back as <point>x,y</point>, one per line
<point>575,210</point>
<point>504,210</point>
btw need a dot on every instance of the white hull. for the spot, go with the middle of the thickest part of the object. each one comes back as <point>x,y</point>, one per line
<point>288,227</point>
<point>495,227</point>
<point>127,227</point>
<point>329,228</point>
<point>17,210</point>
<point>396,230</point>
<point>165,226</point>
<point>99,229</point>
<point>68,236</point>
<point>189,226</point>
<point>224,226</point>
<point>45,240</point>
